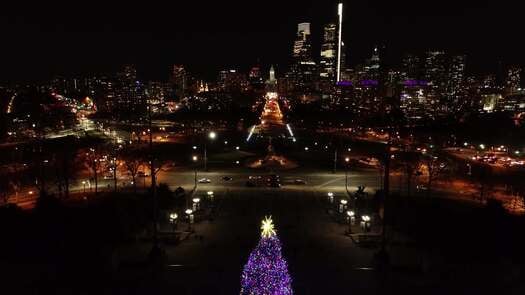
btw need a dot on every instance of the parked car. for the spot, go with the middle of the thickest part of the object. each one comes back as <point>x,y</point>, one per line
<point>204,180</point>
<point>227,178</point>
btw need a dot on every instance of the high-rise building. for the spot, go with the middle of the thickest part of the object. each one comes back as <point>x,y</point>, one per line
<point>328,62</point>
<point>513,81</point>
<point>435,68</point>
<point>255,78</point>
<point>302,49</point>
<point>372,66</point>
<point>456,77</point>
<point>232,81</point>
<point>129,93</point>
<point>179,79</point>
<point>303,71</point>
<point>340,50</point>
<point>411,67</point>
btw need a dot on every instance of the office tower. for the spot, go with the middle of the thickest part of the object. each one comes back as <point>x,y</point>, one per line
<point>339,41</point>
<point>456,76</point>
<point>303,71</point>
<point>302,49</point>
<point>232,81</point>
<point>129,93</point>
<point>327,65</point>
<point>513,80</point>
<point>411,67</point>
<point>255,78</point>
<point>372,66</point>
<point>179,79</point>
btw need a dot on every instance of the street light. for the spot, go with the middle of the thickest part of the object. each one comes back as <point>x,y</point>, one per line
<point>173,220</point>
<point>189,212</point>
<point>365,222</point>
<point>196,204</point>
<point>195,159</point>
<point>347,160</point>
<point>342,206</point>
<point>212,135</point>
<point>331,197</point>
<point>210,195</point>
<point>84,185</point>
<point>351,220</point>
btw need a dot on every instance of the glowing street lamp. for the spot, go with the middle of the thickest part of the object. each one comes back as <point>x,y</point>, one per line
<point>84,185</point>
<point>365,222</point>
<point>210,195</point>
<point>331,197</point>
<point>212,135</point>
<point>196,202</point>
<point>173,220</point>
<point>189,212</point>
<point>342,205</point>
<point>351,220</point>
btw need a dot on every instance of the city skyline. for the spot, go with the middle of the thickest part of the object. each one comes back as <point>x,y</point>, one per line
<point>73,42</point>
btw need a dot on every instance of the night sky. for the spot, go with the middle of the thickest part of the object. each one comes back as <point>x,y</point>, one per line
<point>49,38</point>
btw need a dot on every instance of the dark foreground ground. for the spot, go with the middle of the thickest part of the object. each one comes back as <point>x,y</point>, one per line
<point>434,249</point>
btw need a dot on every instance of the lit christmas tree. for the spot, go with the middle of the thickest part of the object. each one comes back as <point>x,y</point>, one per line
<point>266,272</point>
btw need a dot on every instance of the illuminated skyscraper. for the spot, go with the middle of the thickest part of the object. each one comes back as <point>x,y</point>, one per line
<point>179,79</point>
<point>327,70</point>
<point>339,41</point>
<point>513,81</point>
<point>456,77</point>
<point>302,49</point>
<point>303,71</point>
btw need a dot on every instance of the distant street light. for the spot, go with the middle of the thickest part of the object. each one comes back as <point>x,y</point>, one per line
<point>347,161</point>
<point>365,222</point>
<point>84,184</point>
<point>195,159</point>
<point>196,202</point>
<point>342,205</point>
<point>189,212</point>
<point>173,220</point>
<point>331,197</point>
<point>351,220</point>
<point>210,195</point>
<point>212,135</point>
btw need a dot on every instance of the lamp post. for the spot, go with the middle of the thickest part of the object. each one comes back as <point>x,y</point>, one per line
<point>342,205</point>
<point>351,220</point>
<point>189,212</point>
<point>330,197</point>
<point>195,159</point>
<point>173,221</point>
<point>210,195</point>
<point>196,202</point>
<point>84,185</point>
<point>212,135</point>
<point>347,160</point>
<point>365,223</point>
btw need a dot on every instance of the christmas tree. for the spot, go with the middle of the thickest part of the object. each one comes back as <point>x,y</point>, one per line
<point>266,272</point>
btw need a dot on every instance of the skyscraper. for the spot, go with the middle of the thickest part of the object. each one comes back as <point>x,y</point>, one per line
<point>411,67</point>
<point>129,94</point>
<point>339,41</point>
<point>301,76</point>
<point>513,81</point>
<point>179,78</point>
<point>456,77</point>
<point>327,65</point>
<point>302,49</point>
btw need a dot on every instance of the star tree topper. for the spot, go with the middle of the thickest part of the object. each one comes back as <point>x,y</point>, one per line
<point>267,228</point>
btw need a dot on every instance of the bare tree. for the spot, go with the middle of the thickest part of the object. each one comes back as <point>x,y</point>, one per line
<point>411,165</point>
<point>133,165</point>
<point>435,168</point>
<point>94,165</point>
